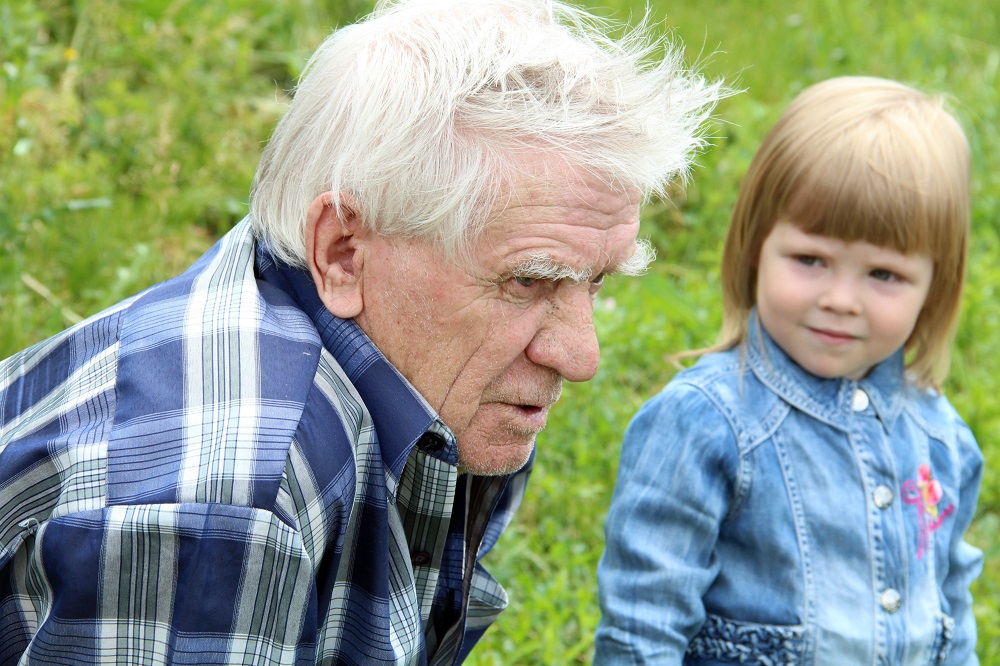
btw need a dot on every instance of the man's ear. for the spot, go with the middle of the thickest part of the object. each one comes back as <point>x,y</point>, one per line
<point>334,254</point>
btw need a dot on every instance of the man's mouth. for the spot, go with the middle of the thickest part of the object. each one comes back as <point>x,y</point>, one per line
<point>534,416</point>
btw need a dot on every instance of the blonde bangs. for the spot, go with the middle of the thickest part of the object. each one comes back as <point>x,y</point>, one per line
<point>890,181</point>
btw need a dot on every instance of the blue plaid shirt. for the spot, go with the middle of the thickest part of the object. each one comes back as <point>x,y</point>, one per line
<point>218,471</point>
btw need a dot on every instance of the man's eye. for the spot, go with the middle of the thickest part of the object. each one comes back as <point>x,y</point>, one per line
<point>525,281</point>
<point>598,279</point>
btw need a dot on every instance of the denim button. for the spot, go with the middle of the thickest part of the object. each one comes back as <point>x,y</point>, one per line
<point>431,442</point>
<point>883,497</point>
<point>890,600</point>
<point>859,402</point>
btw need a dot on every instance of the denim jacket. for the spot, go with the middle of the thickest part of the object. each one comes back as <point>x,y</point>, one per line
<point>764,515</point>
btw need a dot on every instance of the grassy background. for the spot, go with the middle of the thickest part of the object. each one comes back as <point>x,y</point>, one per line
<point>129,133</point>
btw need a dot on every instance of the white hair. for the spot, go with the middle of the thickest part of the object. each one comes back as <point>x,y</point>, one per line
<point>423,113</point>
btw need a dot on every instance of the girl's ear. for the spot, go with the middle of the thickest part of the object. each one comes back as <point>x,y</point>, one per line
<point>335,254</point>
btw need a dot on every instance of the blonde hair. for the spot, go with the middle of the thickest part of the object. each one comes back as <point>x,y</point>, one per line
<point>860,159</point>
<point>424,111</point>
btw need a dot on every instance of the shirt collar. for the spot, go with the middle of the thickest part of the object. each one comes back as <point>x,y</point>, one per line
<point>399,413</point>
<point>828,400</point>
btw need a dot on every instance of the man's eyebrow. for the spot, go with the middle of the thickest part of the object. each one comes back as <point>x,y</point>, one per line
<point>542,266</point>
<point>639,262</point>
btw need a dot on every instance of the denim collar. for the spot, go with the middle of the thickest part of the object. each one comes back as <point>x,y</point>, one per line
<point>399,413</point>
<point>828,400</point>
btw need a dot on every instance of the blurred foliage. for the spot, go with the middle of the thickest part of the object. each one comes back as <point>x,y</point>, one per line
<point>129,134</point>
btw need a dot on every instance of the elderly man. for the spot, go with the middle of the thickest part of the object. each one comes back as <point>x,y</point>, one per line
<point>299,450</point>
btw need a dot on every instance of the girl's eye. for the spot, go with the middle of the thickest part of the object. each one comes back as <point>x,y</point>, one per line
<point>808,260</point>
<point>883,275</point>
<point>525,281</point>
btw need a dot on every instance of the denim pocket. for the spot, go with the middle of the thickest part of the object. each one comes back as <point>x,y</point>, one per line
<point>726,640</point>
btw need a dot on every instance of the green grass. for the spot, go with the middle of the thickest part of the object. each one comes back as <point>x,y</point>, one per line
<point>129,133</point>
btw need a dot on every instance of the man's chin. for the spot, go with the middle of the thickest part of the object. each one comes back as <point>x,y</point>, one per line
<point>494,459</point>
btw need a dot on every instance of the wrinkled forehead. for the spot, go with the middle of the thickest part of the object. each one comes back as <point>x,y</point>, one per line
<point>541,175</point>
<point>572,218</point>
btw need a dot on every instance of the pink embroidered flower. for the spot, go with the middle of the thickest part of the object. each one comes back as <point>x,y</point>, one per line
<point>930,488</point>
<point>925,494</point>
<point>933,493</point>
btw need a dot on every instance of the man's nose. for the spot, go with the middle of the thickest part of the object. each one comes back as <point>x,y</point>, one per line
<point>567,341</point>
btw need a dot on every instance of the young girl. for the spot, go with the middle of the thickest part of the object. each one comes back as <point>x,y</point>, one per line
<point>801,494</point>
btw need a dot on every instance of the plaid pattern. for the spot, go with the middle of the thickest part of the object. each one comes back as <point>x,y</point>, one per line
<point>218,471</point>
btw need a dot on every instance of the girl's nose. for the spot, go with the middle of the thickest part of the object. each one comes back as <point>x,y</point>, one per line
<point>841,296</point>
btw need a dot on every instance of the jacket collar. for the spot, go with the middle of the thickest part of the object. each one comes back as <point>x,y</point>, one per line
<point>828,400</point>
